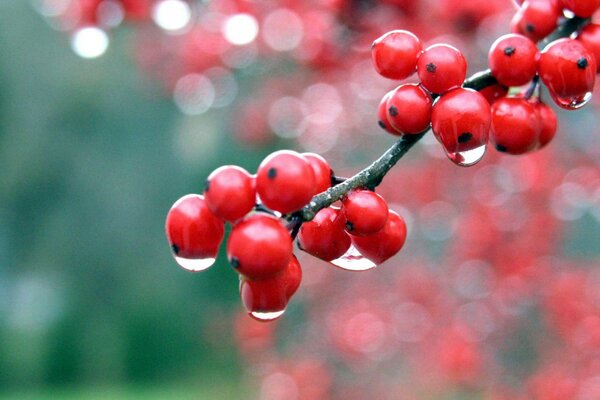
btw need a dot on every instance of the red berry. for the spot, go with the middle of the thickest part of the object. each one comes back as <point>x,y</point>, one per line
<point>385,243</point>
<point>409,109</point>
<point>382,115</point>
<point>582,8</point>
<point>266,299</point>
<point>513,60</point>
<point>441,67</point>
<point>536,19</point>
<point>461,120</point>
<point>494,92</point>
<point>321,170</point>
<point>569,70</point>
<point>515,127</point>
<point>548,123</point>
<point>194,232</point>
<point>395,54</point>
<point>365,212</point>
<point>285,181</point>
<point>259,247</point>
<point>324,237</point>
<point>230,192</point>
<point>590,37</point>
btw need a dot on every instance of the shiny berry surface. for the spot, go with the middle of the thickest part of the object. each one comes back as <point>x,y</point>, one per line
<point>324,237</point>
<point>409,109</point>
<point>285,181</point>
<point>513,60</point>
<point>494,92</point>
<point>515,126</point>
<point>536,19</point>
<point>384,244</point>
<point>395,54</point>
<point>259,247</point>
<point>441,67</point>
<point>365,211</point>
<point>589,36</point>
<point>230,192</point>
<point>582,8</point>
<point>548,123</point>
<point>321,171</point>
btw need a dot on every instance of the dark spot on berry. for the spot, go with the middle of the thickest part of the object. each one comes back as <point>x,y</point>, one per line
<point>272,173</point>
<point>175,249</point>
<point>431,67</point>
<point>465,137</point>
<point>381,124</point>
<point>206,185</point>
<point>501,148</point>
<point>349,226</point>
<point>582,63</point>
<point>235,263</point>
<point>509,51</point>
<point>393,111</point>
<point>530,28</point>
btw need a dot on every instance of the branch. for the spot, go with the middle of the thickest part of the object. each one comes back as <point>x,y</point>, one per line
<point>371,176</point>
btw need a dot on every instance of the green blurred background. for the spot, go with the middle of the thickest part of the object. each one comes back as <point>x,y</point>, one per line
<point>92,156</point>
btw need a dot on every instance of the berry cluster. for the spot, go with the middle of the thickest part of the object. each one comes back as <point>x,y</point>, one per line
<point>509,113</point>
<point>264,212</point>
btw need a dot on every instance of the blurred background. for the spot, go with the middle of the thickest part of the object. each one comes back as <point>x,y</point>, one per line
<point>110,110</point>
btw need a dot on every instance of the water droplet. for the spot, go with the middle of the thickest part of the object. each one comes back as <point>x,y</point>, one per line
<point>467,158</point>
<point>353,260</point>
<point>267,316</point>
<point>194,264</point>
<point>572,103</point>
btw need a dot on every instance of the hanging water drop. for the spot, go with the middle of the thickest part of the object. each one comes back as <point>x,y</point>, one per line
<point>469,157</point>
<point>194,264</point>
<point>266,316</point>
<point>353,260</point>
<point>573,102</point>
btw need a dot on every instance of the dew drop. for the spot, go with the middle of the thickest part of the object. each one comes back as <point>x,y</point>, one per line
<point>267,316</point>
<point>467,158</point>
<point>573,102</point>
<point>194,264</point>
<point>353,260</point>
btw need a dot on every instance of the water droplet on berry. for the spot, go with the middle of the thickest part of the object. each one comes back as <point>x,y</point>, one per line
<point>572,103</point>
<point>353,260</point>
<point>194,264</point>
<point>267,316</point>
<point>467,158</point>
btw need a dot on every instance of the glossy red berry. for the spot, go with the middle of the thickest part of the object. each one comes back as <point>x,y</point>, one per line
<point>321,171</point>
<point>365,212</point>
<point>461,121</point>
<point>259,247</point>
<point>409,109</point>
<point>515,126</point>
<point>568,68</point>
<point>385,243</point>
<point>285,181</point>
<point>513,60</point>
<point>536,19</point>
<point>324,237</point>
<point>395,54</point>
<point>589,36</point>
<point>494,92</point>
<point>548,123</point>
<point>194,232</point>
<point>582,8</point>
<point>441,67</point>
<point>382,115</point>
<point>230,192</point>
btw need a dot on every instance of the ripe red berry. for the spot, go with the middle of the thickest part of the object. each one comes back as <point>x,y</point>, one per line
<point>382,115</point>
<point>536,19</point>
<point>395,54</point>
<point>582,8</point>
<point>324,237</point>
<point>441,67</point>
<point>513,60</point>
<point>385,243</point>
<point>409,109</point>
<point>321,170</point>
<point>365,212</point>
<point>589,36</point>
<point>461,121</point>
<point>515,126</point>
<point>285,181</point>
<point>548,123</point>
<point>194,232</point>
<point>494,92</point>
<point>569,70</point>
<point>259,247</point>
<point>230,192</point>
